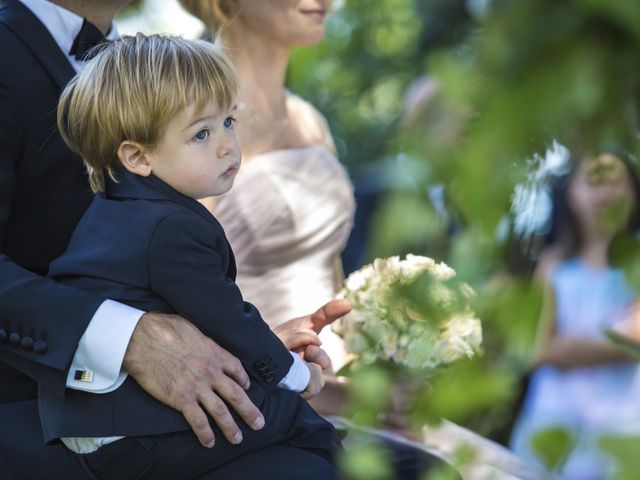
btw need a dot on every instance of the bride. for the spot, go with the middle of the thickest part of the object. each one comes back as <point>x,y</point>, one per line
<point>290,212</point>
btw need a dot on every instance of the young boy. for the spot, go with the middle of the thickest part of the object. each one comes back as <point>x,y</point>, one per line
<point>153,119</point>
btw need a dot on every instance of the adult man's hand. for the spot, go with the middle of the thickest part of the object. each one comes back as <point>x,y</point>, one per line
<point>180,367</point>
<point>301,334</point>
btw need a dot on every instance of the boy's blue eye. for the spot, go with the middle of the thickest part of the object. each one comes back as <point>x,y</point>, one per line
<point>228,122</point>
<point>202,135</point>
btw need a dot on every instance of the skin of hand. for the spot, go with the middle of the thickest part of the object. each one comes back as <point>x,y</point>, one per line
<point>182,368</point>
<point>316,382</point>
<point>301,334</point>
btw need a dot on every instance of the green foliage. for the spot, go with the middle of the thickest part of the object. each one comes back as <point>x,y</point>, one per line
<point>462,391</point>
<point>526,72</point>
<point>357,77</point>
<point>370,394</point>
<point>624,449</point>
<point>539,69</point>
<point>366,461</point>
<point>552,446</point>
<point>511,309</point>
<point>422,224</point>
<point>626,255</point>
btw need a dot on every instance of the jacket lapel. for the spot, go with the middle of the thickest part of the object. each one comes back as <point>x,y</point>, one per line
<point>35,35</point>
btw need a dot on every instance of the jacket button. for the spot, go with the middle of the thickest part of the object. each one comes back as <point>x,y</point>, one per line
<point>259,365</point>
<point>269,377</point>
<point>14,339</point>
<point>40,346</point>
<point>27,343</point>
<point>3,335</point>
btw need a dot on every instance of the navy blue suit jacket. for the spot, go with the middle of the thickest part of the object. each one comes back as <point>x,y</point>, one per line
<point>43,193</point>
<point>148,246</point>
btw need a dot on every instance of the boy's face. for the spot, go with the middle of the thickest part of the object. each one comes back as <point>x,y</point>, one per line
<point>199,154</point>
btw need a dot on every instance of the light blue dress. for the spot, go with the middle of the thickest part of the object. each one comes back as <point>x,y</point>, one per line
<point>588,401</point>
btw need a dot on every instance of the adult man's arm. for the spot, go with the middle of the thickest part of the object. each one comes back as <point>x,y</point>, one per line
<point>29,340</point>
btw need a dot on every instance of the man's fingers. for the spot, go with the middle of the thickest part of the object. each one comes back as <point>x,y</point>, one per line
<point>329,313</point>
<point>221,416</point>
<point>236,396</point>
<point>199,423</point>
<point>234,369</point>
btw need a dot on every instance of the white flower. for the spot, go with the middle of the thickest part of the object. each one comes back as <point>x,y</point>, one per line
<point>358,279</point>
<point>415,265</point>
<point>379,328</point>
<point>461,338</point>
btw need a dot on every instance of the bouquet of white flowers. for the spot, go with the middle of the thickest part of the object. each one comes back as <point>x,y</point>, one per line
<point>432,328</point>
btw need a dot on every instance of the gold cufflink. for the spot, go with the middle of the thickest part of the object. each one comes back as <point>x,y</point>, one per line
<point>83,375</point>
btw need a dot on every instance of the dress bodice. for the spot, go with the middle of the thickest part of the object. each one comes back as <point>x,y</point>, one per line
<point>287,218</point>
<point>589,299</point>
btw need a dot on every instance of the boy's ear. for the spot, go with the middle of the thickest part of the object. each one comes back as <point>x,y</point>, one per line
<point>133,157</point>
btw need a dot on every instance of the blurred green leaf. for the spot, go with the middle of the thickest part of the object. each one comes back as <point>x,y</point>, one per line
<point>403,223</point>
<point>552,446</point>
<point>624,449</point>
<point>369,394</point>
<point>463,390</point>
<point>365,461</point>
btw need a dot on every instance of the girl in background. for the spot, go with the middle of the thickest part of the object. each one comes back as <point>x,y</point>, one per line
<point>583,383</point>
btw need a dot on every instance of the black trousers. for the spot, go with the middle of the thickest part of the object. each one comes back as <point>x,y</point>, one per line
<point>24,455</point>
<point>294,438</point>
<point>22,447</point>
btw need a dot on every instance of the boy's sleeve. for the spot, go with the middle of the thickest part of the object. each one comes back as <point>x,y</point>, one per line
<point>186,269</point>
<point>298,377</point>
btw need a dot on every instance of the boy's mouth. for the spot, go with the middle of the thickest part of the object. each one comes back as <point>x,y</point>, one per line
<point>231,171</point>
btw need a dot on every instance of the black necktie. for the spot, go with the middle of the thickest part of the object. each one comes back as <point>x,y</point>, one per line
<point>88,37</point>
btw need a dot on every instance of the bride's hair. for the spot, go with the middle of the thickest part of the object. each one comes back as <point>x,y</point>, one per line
<point>213,13</point>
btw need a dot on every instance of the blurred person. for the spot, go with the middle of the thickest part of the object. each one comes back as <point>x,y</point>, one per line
<point>291,209</point>
<point>56,334</point>
<point>582,382</point>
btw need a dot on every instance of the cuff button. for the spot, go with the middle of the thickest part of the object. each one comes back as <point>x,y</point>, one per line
<point>14,339</point>
<point>40,346</point>
<point>3,335</point>
<point>27,343</point>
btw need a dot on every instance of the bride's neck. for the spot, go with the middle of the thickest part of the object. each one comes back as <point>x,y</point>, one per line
<point>262,66</point>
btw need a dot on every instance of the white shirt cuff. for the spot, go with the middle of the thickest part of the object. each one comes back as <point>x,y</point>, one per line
<point>298,377</point>
<point>97,364</point>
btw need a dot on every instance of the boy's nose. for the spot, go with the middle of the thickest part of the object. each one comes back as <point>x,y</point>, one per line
<point>224,147</point>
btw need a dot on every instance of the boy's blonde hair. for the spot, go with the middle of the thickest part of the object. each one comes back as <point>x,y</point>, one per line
<point>132,89</point>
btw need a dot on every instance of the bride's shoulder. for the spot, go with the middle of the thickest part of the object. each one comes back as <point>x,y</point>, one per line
<point>309,121</point>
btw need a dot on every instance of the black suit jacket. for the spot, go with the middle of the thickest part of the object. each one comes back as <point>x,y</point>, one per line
<point>146,245</point>
<point>43,194</point>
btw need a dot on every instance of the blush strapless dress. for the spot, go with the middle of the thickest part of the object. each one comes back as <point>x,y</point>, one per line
<point>288,217</point>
